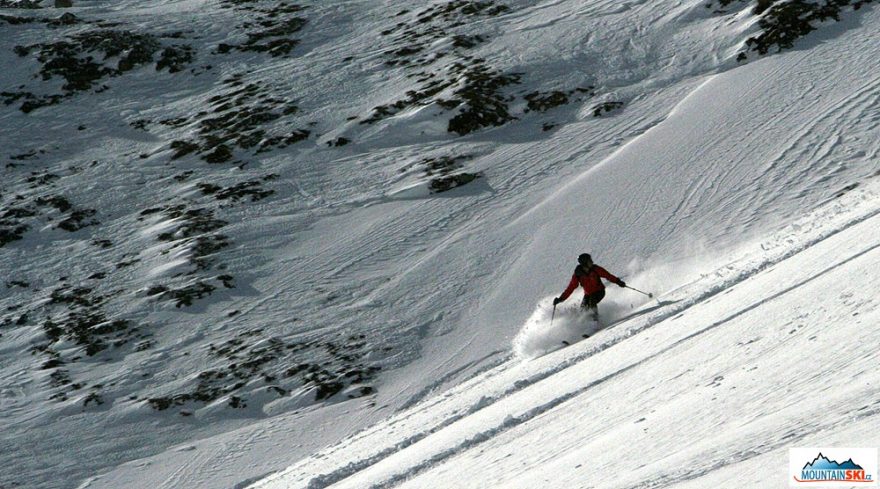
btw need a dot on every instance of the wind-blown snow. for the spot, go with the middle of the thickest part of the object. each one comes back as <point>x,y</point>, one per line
<point>544,332</point>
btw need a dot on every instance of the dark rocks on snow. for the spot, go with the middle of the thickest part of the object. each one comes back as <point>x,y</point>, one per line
<point>78,219</point>
<point>481,101</point>
<point>278,364</point>
<point>476,87</point>
<point>20,4</point>
<point>542,102</point>
<point>175,58</point>
<point>18,219</point>
<point>277,25</point>
<point>8,234</point>
<point>442,184</point>
<point>238,119</point>
<point>66,19</point>
<point>76,315</point>
<point>75,60</point>
<point>784,22</point>
<point>781,23</point>
<point>15,20</point>
<point>250,189</point>
<point>444,172</point>
<point>607,108</point>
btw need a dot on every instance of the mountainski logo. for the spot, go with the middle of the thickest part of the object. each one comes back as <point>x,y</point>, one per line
<point>818,467</point>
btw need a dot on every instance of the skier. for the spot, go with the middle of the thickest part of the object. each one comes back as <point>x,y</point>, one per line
<point>589,276</point>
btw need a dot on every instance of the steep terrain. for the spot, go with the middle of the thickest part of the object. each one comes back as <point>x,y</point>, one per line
<point>240,231</point>
<point>706,387</point>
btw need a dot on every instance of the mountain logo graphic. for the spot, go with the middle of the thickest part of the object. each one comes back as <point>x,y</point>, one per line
<point>821,462</point>
<point>824,469</point>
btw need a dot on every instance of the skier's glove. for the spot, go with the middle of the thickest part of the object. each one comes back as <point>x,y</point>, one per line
<point>556,301</point>
<point>621,283</point>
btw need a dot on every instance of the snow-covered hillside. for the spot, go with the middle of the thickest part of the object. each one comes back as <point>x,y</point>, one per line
<point>707,387</point>
<point>244,235</point>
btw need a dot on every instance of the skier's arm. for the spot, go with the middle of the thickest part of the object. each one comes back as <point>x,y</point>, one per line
<point>568,290</point>
<point>607,276</point>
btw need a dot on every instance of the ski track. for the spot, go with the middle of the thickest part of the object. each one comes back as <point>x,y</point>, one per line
<point>433,386</point>
<point>795,431</point>
<point>839,216</point>
<point>513,421</point>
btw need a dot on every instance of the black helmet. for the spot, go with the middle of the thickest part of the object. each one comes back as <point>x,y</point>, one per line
<point>585,259</point>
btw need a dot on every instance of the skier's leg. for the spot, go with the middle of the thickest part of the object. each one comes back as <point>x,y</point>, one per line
<point>588,306</point>
<point>592,303</point>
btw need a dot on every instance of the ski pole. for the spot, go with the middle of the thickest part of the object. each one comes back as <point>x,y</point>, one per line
<point>552,315</point>
<point>639,291</point>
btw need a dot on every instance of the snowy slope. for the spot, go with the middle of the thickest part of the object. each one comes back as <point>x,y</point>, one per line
<point>303,289</point>
<point>707,390</point>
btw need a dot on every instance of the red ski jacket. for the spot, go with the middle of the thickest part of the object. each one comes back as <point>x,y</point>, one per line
<point>590,280</point>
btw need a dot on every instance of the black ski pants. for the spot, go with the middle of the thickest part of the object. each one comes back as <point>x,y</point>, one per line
<point>592,301</point>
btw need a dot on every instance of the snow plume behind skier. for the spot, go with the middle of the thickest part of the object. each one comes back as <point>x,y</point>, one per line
<point>538,337</point>
<point>573,321</point>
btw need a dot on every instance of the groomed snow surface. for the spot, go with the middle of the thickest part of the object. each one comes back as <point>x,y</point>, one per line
<point>743,195</point>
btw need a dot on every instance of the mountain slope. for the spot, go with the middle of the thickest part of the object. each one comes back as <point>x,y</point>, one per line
<point>680,396</point>
<point>223,228</point>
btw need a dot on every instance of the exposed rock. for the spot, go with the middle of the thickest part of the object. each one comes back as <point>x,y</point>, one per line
<point>607,108</point>
<point>16,20</point>
<point>781,23</point>
<point>250,357</point>
<point>21,4</point>
<point>542,102</point>
<point>67,18</point>
<point>442,184</point>
<point>237,119</point>
<point>74,59</point>
<point>278,25</point>
<point>482,103</point>
<point>175,58</point>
